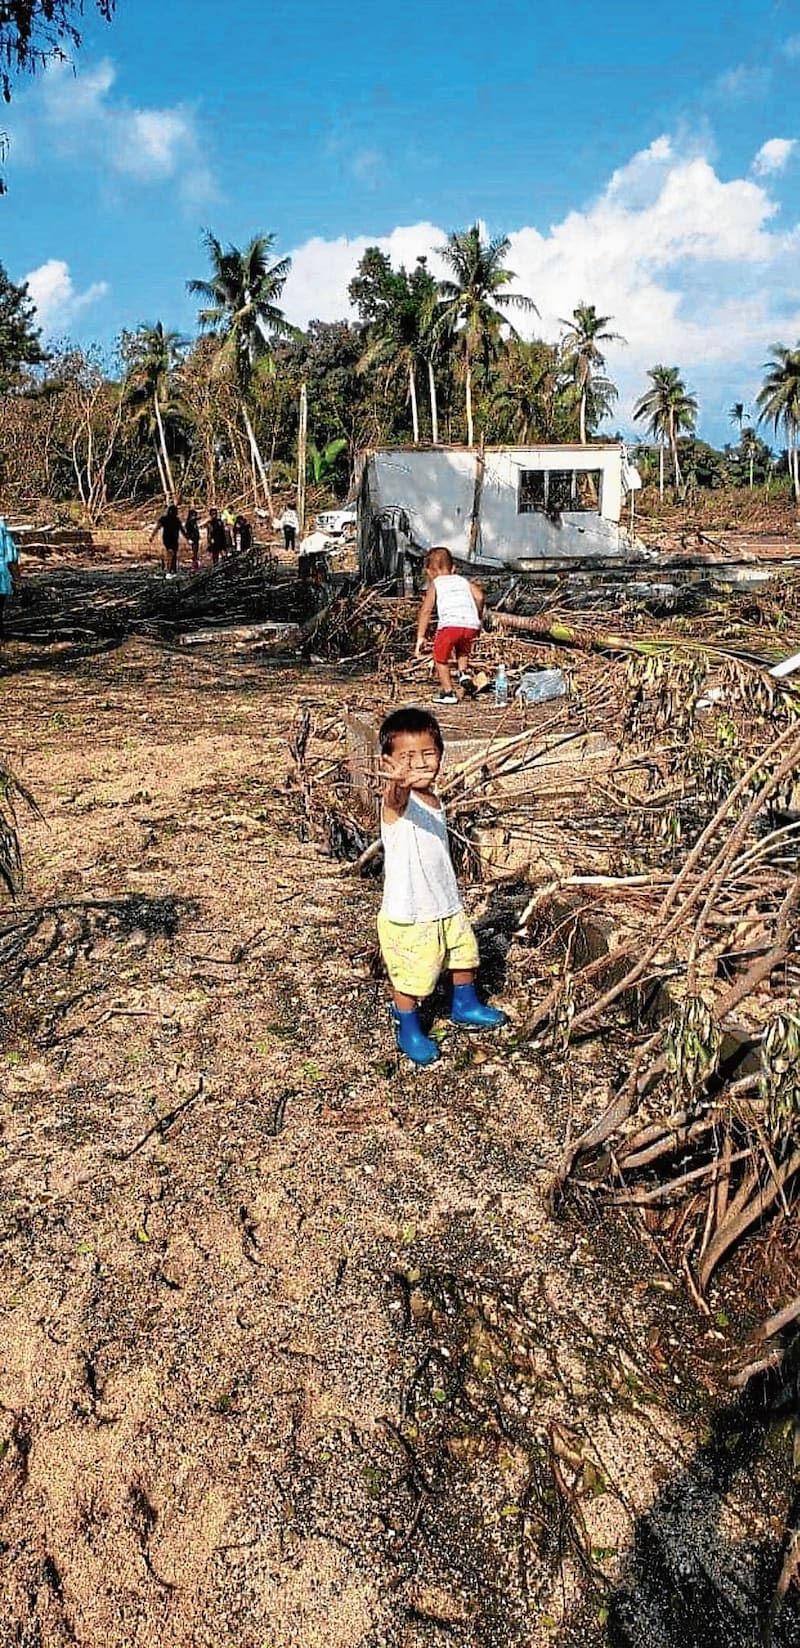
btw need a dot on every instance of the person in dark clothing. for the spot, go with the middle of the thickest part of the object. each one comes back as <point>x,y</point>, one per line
<point>217,537</point>
<point>171,533</point>
<point>242,535</point>
<point>290,523</point>
<point>192,531</point>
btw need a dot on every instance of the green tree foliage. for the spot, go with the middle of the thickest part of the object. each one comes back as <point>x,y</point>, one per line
<point>322,462</point>
<point>153,358</point>
<point>32,33</point>
<point>584,360</point>
<point>669,412</point>
<point>342,400</point>
<point>778,401</point>
<point>242,311</point>
<point>525,399</point>
<point>20,344</point>
<point>398,312</point>
<point>736,416</point>
<point>473,304</point>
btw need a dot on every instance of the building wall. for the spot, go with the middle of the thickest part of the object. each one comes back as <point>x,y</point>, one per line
<point>436,487</point>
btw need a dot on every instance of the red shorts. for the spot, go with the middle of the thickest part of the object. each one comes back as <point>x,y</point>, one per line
<point>446,642</point>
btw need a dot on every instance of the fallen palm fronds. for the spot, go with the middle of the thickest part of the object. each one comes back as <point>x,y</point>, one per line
<point>11,790</point>
<point>654,809</point>
<point>79,605</point>
<point>708,1157</point>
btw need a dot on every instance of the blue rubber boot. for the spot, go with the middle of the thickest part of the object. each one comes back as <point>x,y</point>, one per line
<point>411,1038</point>
<point>468,1009</point>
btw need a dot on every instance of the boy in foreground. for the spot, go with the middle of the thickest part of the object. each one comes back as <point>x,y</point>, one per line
<point>459,604</point>
<point>421,925</point>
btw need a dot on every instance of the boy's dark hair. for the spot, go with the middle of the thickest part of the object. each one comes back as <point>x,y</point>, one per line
<point>439,557</point>
<point>409,719</point>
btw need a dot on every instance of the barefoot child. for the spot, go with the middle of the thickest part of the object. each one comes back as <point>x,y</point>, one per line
<point>421,925</point>
<point>459,607</point>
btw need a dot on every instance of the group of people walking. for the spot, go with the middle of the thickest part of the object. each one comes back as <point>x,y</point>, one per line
<point>225,534</point>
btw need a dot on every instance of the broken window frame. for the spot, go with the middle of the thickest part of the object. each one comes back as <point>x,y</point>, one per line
<point>543,492</point>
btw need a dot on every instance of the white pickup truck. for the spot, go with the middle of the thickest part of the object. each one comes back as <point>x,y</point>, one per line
<point>338,523</point>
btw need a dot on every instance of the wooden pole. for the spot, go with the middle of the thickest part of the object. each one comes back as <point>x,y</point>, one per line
<point>475,518</point>
<point>302,439</point>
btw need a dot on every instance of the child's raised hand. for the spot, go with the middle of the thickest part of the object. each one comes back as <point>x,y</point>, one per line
<point>394,772</point>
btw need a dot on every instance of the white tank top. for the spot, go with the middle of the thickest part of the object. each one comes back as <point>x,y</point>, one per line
<point>419,879</point>
<point>455,603</point>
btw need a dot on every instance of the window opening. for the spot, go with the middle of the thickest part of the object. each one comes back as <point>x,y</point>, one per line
<point>555,491</point>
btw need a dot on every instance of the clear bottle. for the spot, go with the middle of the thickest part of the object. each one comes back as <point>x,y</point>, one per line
<point>501,687</point>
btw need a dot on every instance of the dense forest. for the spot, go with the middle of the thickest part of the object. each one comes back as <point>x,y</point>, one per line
<point>425,360</point>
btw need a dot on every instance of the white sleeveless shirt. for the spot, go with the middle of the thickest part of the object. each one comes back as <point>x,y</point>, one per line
<point>455,602</point>
<point>419,879</point>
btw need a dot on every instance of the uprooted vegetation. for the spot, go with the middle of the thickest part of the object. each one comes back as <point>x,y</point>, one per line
<point>655,809</point>
<point>305,1346</point>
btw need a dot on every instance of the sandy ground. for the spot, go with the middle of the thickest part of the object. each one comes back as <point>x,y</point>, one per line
<point>291,1352</point>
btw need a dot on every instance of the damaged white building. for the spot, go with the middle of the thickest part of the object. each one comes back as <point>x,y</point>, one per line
<point>522,507</point>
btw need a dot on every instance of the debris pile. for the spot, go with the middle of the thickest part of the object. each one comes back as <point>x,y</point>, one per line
<point>651,819</point>
<point>96,606</point>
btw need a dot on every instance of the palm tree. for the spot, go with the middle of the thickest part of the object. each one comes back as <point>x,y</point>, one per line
<point>153,356</point>
<point>736,416</point>
<point>670,411</point>
<point>471,304</point>
<point>399,313</point>
<point>432,336</point>
<point>242,311</point>
<point>748,446</point>
<point>522,403</point>
<point>585,332</point>
<point>395,341</point>
<point>779,401</point>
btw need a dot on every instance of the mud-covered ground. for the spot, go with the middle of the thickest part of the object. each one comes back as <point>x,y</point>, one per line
<point>291,1352</point>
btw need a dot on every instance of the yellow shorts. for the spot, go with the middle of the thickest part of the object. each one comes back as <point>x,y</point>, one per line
<point>416,952</point>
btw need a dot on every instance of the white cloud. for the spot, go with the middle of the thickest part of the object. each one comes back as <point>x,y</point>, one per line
<point>83,117</point>
<point>791,47</point>
<point>773,155</point>
<point>687,263</point>
<point>744,82</point>
<point>322,269</point>
<point>52,291</point>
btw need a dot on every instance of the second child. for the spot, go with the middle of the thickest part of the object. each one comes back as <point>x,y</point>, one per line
<point>458,603</point>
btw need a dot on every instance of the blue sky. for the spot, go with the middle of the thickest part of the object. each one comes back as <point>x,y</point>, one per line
<point>647,161</point>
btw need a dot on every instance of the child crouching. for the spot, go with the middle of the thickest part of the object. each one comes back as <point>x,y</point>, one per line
<point>458,603</point>
<point>422,927</point>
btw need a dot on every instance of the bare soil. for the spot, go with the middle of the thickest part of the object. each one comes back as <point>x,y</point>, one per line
<point>292,1352</point>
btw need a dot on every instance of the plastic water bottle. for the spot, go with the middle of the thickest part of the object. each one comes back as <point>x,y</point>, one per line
<point>538,685</point>
<point>501,687</point>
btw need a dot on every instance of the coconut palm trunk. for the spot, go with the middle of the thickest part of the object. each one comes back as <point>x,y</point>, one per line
<point>792,456</point>
<point>256,456</point>
<point>470,425</point>
<point>661,472</point>
<point>434,406</point>
<point>412,394</point>
<point>673,446</point>
<point>165,464</point>
<point>162,477</point>
<point>583,415</point>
